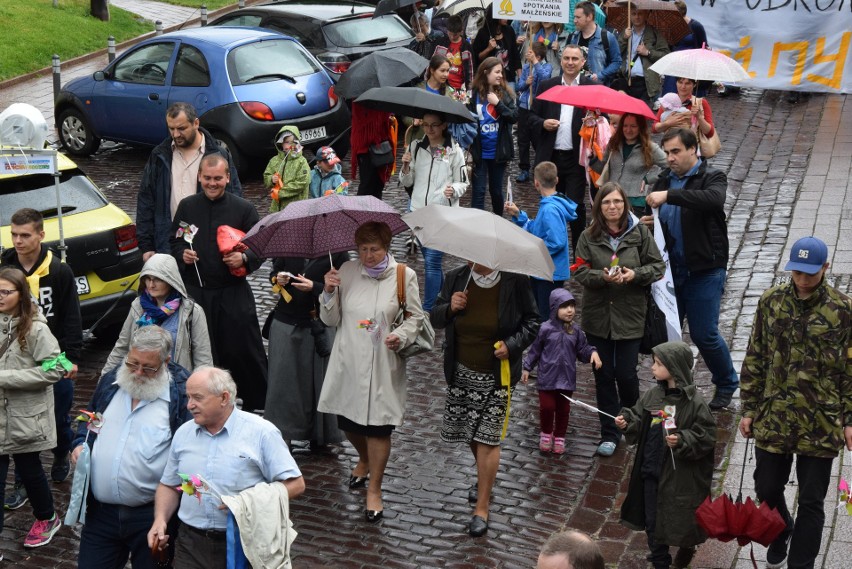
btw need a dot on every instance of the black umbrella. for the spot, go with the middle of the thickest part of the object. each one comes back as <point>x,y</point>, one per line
<point>388,6</point>
<point>386,68</point>
<point>414,102</point>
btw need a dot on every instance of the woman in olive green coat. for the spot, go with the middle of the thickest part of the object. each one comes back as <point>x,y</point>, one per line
<point>617,260</point>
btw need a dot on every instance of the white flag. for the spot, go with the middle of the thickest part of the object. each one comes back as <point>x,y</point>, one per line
<point>663,290</point>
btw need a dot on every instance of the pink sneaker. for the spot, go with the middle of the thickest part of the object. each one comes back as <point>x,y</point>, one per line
<point>558,446</point>
<point>42,532</point>
<point>545,442</point>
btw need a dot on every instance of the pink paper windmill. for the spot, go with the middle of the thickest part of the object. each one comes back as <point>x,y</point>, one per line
<point>191,485</point>
<point>846,489</point>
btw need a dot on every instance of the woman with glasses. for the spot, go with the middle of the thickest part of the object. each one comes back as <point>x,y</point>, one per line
<point>163,301</point>
<point>30,363</point>
<point>617,260</point>
<point>434,168</point>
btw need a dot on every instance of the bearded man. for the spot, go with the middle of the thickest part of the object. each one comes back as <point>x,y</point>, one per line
<point>142,402</point>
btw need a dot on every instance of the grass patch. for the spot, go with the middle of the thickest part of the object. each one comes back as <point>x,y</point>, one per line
<point>211,4</point>
<point>34,30</point>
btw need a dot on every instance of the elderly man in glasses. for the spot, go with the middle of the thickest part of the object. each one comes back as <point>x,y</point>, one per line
<point>143,402</point>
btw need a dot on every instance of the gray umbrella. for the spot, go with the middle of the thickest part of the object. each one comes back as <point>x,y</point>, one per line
<point>414,102</point>
<point>386,68</point>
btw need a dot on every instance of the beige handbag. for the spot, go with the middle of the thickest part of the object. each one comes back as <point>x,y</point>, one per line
<point>709,147</point>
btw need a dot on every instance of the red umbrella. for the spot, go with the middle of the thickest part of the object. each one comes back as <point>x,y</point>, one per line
<point>725,520</point>
<point>597,98</point>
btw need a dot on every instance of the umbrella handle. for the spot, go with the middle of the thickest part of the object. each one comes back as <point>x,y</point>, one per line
<point>742,474</point>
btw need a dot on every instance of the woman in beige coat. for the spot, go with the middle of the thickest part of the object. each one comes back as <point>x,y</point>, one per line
<point>365,384</point>
<point>29,366</point>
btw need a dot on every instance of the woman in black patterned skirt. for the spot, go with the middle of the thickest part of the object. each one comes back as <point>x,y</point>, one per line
<point>489,317</point>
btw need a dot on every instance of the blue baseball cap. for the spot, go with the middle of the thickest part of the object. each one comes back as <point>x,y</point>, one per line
<point>808,255</point>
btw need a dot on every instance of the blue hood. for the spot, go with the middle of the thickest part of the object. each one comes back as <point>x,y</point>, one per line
<point>566,205</point>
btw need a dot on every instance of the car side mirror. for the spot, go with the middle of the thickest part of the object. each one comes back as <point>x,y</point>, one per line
<point>99,75</point>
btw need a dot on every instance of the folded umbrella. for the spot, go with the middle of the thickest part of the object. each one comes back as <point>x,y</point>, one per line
<point>482,237</point>
<point>311,228</point>
<point>598,98</point>
<point>414,102</point>
<point>385,68</point>
<point>701,65</point>
<point>228,241</point>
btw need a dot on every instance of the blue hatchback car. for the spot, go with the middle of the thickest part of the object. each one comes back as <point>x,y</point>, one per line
<point>246,83</point>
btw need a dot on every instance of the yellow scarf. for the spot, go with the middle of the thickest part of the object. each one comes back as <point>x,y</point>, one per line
<point>41,271</point>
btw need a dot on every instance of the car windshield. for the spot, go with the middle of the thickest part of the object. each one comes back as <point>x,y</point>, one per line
<point>38,191</point>
<point>364,31</point>
<point>270,60</point>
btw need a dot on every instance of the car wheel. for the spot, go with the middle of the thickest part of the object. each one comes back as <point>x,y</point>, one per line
<point>236,156</point>
<point>76,135</point>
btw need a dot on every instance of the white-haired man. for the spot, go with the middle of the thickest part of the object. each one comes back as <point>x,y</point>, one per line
<point>233,450</point>
<point>143,402</point>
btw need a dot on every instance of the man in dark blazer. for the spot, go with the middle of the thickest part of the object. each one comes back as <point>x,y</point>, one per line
<point>556,132</point>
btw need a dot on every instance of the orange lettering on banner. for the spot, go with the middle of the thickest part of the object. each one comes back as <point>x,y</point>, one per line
<point>839,60</point>
<point>743,55</point>
<point>801,47</point>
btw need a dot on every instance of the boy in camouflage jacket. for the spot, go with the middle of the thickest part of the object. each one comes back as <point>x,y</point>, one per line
<point>796,391</point>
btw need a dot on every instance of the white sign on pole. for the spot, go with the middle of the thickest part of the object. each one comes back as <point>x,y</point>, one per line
<point>22,163</point>
<point>556,11</point>
<point>663,290</point>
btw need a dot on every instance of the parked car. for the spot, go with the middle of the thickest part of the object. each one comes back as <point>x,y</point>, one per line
<point>100,238</point>
<point>336,31</point>
<point>246,84</point>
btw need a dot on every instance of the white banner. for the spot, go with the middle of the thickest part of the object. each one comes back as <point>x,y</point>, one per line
<point>663,290</point>
<point>791,45</point>
<point>27,163</point>
<point>557,11</point>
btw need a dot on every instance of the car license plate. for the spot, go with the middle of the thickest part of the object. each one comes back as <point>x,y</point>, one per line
<point>82,286</point>
<point>313,134</point>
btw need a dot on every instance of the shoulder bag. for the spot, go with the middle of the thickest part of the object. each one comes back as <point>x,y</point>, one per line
<point>709,146</point>
<point>425,339</point>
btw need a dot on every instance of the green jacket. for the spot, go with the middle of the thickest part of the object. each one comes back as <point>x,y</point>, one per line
<point>796,380</point>
<point>683,487</point>
<point>610,310</point>
<point>657,48</point>
<point>293,170</point>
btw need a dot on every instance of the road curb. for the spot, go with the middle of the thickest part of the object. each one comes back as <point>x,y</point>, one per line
<point>119,47</point>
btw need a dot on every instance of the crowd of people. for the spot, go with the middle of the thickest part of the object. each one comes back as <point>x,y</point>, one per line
<point>179,390</point>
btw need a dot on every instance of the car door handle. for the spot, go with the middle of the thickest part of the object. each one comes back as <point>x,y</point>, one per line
<point>153,97</point>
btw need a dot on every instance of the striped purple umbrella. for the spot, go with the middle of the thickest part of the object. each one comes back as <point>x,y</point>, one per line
<point>315,227</point>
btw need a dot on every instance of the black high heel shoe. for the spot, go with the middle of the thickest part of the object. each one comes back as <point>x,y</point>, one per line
<point>358,481</point>
<point>374,515</point>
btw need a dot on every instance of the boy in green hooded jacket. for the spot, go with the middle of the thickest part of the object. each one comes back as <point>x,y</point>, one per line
<point>287,175</point>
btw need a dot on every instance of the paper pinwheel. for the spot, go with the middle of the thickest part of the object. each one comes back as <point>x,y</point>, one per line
<point>666,417</point>
<point>94,421</point>
<point>343,189</point>
<point>846,490</point>
<point>188,232</point>
<point>190,485</point>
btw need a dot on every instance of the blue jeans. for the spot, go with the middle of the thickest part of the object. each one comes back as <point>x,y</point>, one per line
<point>699,296</point>
<point>113,533</point>
<point>494,171</point>
<point>541,291</point>
<point>433,269</point>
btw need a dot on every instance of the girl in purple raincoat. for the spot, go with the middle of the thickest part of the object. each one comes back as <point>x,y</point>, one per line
<point>560,343</point>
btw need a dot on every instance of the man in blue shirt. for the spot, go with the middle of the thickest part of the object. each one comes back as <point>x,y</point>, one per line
<point>142,402</point>
<point>232,450</point>
<point>604,56</point>
<point>691,198</point>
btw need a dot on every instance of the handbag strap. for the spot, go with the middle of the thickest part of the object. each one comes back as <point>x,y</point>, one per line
<point>5,345</point>
<point>400,285</point>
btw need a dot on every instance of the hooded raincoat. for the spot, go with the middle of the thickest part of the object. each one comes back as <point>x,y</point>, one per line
<point>555,350</point>
<point>551,225</point>
<point>681,490</point>
<point>27,422</point>
<point>188,326</point>
<point>322,182</point>
<point>293,172</point>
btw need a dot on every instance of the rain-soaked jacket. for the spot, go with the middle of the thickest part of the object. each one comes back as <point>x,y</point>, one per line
<point>191,343</point>
<point>551,224</point>
<point>293,171</point>
<point>682,489</point>
<point>555,351</point>
<point>796,379</point>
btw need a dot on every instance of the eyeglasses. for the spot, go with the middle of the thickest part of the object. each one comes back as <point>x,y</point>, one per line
<point>134,368</point>
<point>432,125</point>
<point>4,292</point>
<point>611,202</point>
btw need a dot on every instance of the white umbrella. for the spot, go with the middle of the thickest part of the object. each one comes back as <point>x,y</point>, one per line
<point>702,65</point>
<point>462,7</point>
<point>482,237</point>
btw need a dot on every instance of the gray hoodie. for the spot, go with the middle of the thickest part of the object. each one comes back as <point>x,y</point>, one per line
<point>191,347</point>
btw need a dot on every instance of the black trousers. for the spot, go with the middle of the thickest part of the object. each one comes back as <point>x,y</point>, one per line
<point>369,182</point>
<point>814,474</point>
<point>639,89</point>
<point>572,183</point>
<point>616,382</point>
<point>235,338</point>
<point>524,133</point>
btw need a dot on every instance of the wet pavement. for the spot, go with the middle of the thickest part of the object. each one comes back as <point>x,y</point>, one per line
<point>789,170</point>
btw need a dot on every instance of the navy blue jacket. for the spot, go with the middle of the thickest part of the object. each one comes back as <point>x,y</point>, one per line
<point>106,389</point>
